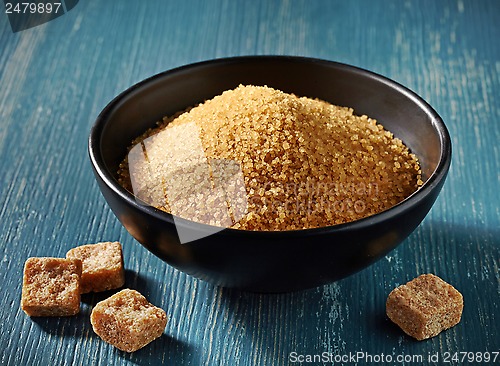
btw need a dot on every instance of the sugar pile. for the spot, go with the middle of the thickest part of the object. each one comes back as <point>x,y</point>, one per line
<point>256,158</point>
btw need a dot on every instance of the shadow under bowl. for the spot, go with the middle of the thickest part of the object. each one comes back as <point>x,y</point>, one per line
<point>270,261</point>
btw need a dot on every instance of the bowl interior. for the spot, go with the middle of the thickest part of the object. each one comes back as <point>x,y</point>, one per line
<point>395,107</point>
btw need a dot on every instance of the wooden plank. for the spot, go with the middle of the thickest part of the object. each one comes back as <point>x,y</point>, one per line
<point>54,80</point>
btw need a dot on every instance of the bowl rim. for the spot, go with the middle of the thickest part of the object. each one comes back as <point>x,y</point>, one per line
<point>439,173</point>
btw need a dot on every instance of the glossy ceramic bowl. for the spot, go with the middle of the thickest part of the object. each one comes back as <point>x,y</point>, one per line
<point>270,261</point>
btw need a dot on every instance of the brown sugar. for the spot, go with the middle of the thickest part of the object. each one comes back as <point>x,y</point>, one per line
<point>425,306</point>
<point>127,320</point>
<point>257,158</point>
<point>102,266</point>
<point>51,286</point>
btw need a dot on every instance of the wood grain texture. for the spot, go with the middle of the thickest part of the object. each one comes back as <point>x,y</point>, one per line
<point>55,79</point>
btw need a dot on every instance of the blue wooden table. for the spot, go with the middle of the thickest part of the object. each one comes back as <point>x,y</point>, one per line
<point>54,80</point>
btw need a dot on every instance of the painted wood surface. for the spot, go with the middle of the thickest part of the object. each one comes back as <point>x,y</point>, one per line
<point>54,80</point>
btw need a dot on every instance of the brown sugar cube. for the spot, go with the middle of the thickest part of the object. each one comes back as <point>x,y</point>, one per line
<point>425,306</point>
<point>127,320</point>
<point>102,266</point>
<point>51,286</point>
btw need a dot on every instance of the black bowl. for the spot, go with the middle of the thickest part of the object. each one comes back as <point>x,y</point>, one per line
<point>270,261</point>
